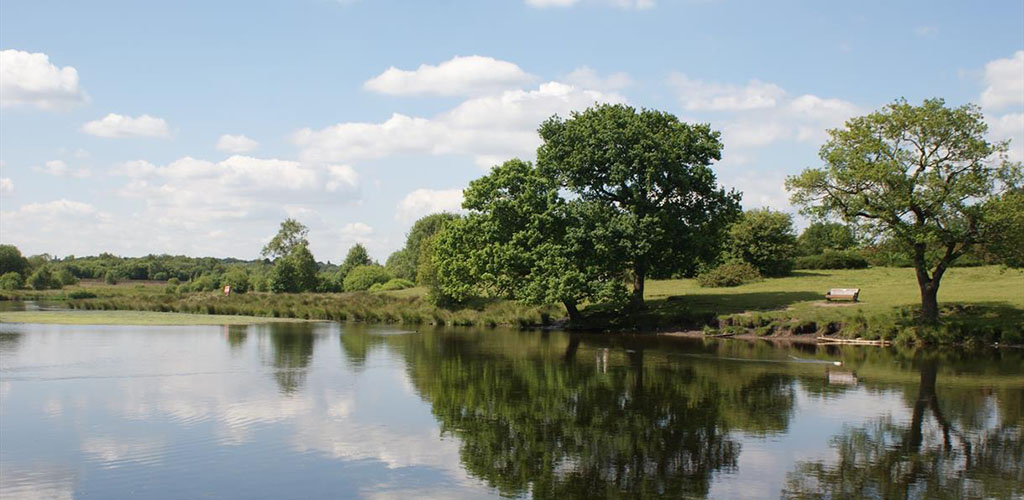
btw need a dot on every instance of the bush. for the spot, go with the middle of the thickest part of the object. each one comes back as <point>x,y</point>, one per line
<point>764,238</point>
<point>110,278</point>
<point>733,273</point>
<point>81,294</point>
<point>11,281</point>
<point>42,279</point>
<point>831,259</point>
<point>363,277</point>
<point>393,284</point>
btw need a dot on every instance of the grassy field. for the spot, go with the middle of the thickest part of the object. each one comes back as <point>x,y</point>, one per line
<point>128,318</point>
<point>982,302</point>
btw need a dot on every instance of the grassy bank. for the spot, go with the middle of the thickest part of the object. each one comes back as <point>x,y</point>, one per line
<point>983,303</point>
<point>128,318</point>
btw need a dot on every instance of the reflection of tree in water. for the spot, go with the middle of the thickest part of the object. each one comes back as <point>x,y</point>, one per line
<point>236,335</point>
<point>538,418</point>
<point>356,343</point>
<point>9,342</point>
<point>292,345</point>
<point>956,457</point>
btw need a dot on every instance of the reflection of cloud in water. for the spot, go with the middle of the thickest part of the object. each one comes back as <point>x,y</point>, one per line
<point>113,452</point>
<point>38,482</point>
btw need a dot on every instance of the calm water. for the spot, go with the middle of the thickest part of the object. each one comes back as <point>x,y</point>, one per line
<point>330,411</point>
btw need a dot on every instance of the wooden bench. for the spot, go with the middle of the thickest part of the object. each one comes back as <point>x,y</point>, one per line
<point>843,294</point>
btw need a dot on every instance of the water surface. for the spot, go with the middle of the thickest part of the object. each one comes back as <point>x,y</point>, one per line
<point>322,410</point>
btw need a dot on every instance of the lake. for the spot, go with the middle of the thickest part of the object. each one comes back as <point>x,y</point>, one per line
<point>325,410</point>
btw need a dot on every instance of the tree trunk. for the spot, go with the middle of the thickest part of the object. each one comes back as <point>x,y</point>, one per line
<point>929,286</point>
<point>574,312</point>
<point>925,397</point>
<point>930,302</point>
<point>636,302</point>
<point>570,350</point>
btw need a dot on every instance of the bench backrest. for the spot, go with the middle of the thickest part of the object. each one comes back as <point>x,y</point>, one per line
<point>844,291</point>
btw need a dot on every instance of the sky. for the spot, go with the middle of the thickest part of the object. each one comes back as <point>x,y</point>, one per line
<point>197,127</point>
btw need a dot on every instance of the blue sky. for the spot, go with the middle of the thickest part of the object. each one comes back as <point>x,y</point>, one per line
<point>358,116</point>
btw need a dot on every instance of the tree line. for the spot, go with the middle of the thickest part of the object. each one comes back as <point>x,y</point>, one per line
<point>619,195</point>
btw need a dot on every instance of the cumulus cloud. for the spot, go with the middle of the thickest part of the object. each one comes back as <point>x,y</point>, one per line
<point>59,168</point>
<point>66,225</point>
<point>456,76</point>
<point>116,126</point>
<point>6,185</point>
<point>760,113</point>
<point>489,128</point>
<point>704,96</point>
<point>1005,82</point>
<point>236,144</point>
<point>428,201</point>
<point>30,79</point>
<point>586,77</point>
<point>1009,126</point>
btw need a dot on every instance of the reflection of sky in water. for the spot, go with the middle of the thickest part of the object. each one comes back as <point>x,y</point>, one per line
<point>187,412</point>
<point>175,413</point>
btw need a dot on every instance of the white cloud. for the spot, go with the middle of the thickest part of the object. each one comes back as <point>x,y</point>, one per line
<point>456,76</point>
<point>59,168</point>
<point>1009,126</point>
<point>586,77</point>
<point>6,185</point>
<point>428,201</point>
<point>494,127</point>
<point>622,4</point>
<point>62,225</point>
<point>356,232</point>
<point>115,125</point>
<point>236,144</point>
<point>926,31</point>
<point>759,113</point>
<point>1005,82</point>
<point>705,96</point>
<point>30,79</point>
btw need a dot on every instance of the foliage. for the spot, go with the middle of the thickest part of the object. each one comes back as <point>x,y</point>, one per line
<point>923,176</point>
<point>42,279</point>
<point>822,236</point>
<point>522,241</point>
<point>11,281</point>
<point>404,262</point>
<point>765,239</point>
<point>110,277</point>
<point>11,261</point>
<point>238,279</point>
<point>733,273</point>
<point>295,272</point>
<point>391,285</point>
<point>363,277</point>
<point>1006,220</point>
<point>291,236</point>
<point>357,256</point>
<point>64,277</point>
<point>652,174</point>
<point>832,259</point>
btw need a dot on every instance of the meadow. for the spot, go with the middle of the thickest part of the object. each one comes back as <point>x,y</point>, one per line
<point>983,303</point>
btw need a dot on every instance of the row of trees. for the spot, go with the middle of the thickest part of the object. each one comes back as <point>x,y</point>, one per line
<point>619,194</point>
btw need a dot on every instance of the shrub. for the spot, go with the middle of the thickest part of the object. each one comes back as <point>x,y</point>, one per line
<point>64,277</point>
<point>831,259</point>
<point>110,278</point>
<point>363,277</point>
<point>764,238</point>
<point>11,281</point>
<point>395,284</point>
<point>81,294</point>
<point>42,279</point>
<point>733,273</point>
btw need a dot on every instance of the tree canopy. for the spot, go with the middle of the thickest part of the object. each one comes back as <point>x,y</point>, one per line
<point>653,172</point>
<point>923,176</point>
<point>522,240</point>
<point>292,234</point>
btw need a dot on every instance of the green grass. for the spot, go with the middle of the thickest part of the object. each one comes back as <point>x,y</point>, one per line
<point>985,302</point>
<point>128,318</point>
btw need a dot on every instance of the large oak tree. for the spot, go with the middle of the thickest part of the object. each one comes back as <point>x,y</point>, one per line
<point>654,173</point>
